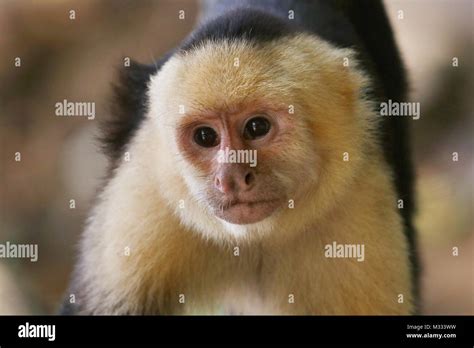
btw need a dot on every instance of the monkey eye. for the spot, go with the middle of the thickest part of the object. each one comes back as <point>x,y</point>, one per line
<point>256,127</point>
<point>205,137</point>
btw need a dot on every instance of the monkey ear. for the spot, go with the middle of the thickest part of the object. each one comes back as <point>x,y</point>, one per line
<point>128,106</point>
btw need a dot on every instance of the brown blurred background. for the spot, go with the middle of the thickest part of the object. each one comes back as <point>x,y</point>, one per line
<point>77,60</point>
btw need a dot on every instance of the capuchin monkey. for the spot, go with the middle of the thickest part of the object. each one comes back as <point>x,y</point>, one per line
<point>319,222</point>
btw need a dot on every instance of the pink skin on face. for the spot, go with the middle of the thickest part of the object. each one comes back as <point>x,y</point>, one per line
<point>237,192</point>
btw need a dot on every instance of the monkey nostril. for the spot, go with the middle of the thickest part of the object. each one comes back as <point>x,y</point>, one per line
<point>223,185</point>
<point>249,179</point>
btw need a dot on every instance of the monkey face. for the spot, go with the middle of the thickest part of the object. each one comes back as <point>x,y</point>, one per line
<point>253,128</point>
<point>236,150</point>
<point>239,133</point>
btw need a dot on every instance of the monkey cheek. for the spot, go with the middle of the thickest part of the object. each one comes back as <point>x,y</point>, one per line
<point>248,213</point>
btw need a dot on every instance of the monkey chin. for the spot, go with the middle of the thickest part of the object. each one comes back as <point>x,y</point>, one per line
<point>245,213</point>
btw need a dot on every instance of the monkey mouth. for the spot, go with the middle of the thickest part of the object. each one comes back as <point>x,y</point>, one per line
<point>249,203</point>
<point>244,212</point>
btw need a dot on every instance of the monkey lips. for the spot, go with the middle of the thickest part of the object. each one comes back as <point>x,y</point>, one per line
<point>243,212</point>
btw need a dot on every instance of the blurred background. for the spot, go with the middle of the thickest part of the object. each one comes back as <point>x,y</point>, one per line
<point>77,59</point>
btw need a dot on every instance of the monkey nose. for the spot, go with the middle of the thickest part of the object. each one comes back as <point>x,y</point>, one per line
<point>222,185</point>
<point>234,181</point>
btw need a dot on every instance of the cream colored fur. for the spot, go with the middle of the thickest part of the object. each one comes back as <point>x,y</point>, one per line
<point>187,251</point>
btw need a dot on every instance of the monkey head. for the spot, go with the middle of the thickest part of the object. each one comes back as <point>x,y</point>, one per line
<point>249,134</point>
